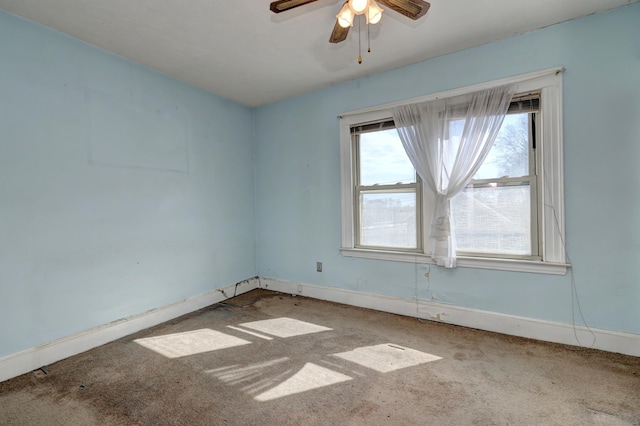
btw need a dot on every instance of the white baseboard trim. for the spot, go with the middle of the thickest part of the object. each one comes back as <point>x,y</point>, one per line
<point>611,341</point>
<point>30,359</point>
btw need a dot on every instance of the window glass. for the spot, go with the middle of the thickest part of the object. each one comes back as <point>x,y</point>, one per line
<point>387,199</point>
<point>493,219</point>
<point>383,160</point>
<point>388,219</point>
<point>509,155</point>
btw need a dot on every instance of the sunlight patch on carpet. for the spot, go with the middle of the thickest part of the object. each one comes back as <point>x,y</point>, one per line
<point>190,342</point>
<point>237,374</point>
<point>387,357</point>
<point>253,333</point>
<point>309,377</point>
<point>284,327</point>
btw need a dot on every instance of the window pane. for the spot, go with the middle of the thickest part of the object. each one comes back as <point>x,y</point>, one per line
<point>383,160</point>
<point>493,219</point>
<point>509,155</point>
<point>388,219</point>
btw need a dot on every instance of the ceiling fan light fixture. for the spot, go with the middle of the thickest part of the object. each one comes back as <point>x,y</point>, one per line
<point>358,6</point>
<point>345,17</point>
<point>374,12</point>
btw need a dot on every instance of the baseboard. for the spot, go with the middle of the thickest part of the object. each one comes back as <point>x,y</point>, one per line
<point>30,359</point>
<point>611,341</point>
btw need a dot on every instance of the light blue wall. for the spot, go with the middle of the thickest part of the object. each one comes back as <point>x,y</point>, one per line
<point>94,225</point>
<point>122,190</point>
<point>298,177</point>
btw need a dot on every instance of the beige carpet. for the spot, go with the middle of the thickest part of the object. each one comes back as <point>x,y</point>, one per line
<point>265,358</point>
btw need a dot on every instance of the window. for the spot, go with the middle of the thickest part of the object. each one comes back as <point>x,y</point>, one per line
<point>387,191</point>
<point>509,217</point>
<point>496,215</point>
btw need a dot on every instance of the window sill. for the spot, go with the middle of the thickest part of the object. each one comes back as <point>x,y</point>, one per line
<point>515,265</point>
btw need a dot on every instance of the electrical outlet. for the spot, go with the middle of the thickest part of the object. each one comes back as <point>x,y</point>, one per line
<point>319,266</point>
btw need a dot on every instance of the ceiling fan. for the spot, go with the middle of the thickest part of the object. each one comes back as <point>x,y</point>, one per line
<point>413,9</point>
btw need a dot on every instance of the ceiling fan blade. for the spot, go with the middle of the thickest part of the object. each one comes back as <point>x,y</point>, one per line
<point>284,5</point>
<point>338,34</point>
<point>412,9</point>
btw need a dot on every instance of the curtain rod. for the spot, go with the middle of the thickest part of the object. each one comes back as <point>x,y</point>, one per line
<point>461,90</point>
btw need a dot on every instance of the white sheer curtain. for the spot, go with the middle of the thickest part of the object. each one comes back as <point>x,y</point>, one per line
<point>445,159</point>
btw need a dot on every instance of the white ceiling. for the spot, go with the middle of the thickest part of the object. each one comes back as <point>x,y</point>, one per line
<point>240,50</point>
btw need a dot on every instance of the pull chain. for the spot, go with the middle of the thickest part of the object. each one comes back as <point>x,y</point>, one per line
<point>359,45</point>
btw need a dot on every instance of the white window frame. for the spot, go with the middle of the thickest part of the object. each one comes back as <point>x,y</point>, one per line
<point>549,142</point>
<point>533,181</point>
<point>358,189</point>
